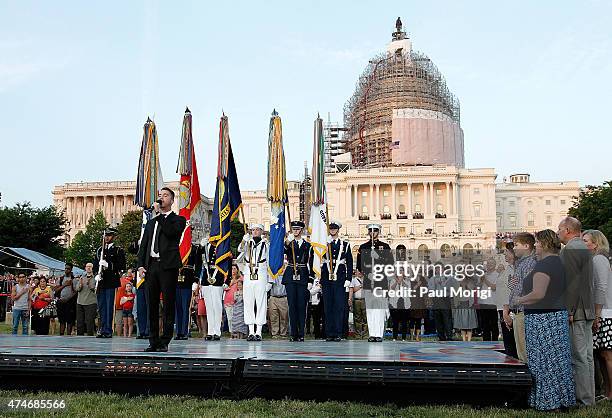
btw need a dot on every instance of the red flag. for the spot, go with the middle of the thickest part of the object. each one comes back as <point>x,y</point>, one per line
<point>189,190</point>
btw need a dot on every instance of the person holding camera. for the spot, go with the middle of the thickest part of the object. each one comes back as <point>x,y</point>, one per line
<point>66,300</point>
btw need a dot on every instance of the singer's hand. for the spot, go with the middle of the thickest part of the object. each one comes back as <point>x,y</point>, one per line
<point>156,207</point>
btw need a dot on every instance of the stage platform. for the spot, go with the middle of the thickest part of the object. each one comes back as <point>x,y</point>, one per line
<point>241,368</point>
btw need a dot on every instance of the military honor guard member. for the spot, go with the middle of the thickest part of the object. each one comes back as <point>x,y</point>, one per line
<point>188,275</point>
<point>112,260</point>
<point>253,261</point>
<point>335,284</point>
<point>212,284</point>
<point>370,253</point>
<point>159,260</point>
<point>296,276</point>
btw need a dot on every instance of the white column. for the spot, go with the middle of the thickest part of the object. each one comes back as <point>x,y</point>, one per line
<point>115,211</point>
<point>393,210</point>
<point>409,209</point>
<point>455,199</point>
<point>431,199</point>
<point>447,191</point>
<point>355,191</point>
<point>378,200</point>
<point>371,208</point>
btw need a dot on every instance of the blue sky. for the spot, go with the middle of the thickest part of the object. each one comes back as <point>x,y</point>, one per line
<point>78,80</point>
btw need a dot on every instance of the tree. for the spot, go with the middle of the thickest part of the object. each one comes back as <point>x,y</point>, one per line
<point>38,229</point>
<point>84,245</point>
<point>128,233</point>
<point>593,208</point>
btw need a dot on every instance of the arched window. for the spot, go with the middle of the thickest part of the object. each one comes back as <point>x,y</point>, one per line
<point>400,252</point>
<point>468,249</point>
<point>423,251</point>
<point>445,250</point>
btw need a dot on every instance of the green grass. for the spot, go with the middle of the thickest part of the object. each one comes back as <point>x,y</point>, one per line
<point>92,404</point>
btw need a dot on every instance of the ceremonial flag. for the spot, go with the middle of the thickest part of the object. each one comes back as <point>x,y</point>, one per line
<point>149,179</point>
<point>189,189</point>
<point>228,201</point>
<point>318,212</point>
<point>277,195</point>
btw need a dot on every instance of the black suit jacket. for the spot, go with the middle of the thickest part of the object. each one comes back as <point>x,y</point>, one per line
<point>170,228</point>
<point>115,257</point>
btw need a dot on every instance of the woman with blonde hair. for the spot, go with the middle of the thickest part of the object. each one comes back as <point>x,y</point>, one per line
<point>597,243</point>
<point>549,355</point>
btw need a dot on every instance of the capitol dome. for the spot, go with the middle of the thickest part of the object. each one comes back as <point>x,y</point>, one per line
<point>402,112</point>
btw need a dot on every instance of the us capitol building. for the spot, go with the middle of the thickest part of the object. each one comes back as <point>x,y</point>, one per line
<point>398,160</point>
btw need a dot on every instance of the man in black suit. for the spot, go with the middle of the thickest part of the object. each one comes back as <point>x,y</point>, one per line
<point>159,258</point>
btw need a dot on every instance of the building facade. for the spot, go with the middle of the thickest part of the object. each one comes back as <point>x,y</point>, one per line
<point>525,206</point>
<point>80,201</point>
<point>256,206</point>
<point>423,209</point>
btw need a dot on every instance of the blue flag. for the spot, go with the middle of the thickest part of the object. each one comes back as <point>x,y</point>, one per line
<point>276,257</point>
<point>228,202</point>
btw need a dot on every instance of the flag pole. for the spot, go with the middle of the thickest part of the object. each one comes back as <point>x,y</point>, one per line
<point>248,245</point>
<point>289,219</point>
<point>330,258</point>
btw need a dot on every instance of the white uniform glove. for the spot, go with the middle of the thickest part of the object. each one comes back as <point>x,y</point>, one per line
<point>290,238</point>
<point>329,239</point>
<point>225,286</point>
<point>246,237</point>
<point>104,264</point>
<point>268,287</point>
<point>347,283</point>
<point>204,241</point>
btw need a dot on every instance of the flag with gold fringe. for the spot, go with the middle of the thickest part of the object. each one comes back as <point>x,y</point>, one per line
<point>277,195</point>
<point>189,189</point>
<point>228,201</point>
<point>318,222</point>
<point>149,180</point>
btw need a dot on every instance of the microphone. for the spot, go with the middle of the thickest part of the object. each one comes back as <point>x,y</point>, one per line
<point>158,201</point>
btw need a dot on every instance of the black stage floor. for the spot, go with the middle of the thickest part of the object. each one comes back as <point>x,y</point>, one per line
<point>239,368</point>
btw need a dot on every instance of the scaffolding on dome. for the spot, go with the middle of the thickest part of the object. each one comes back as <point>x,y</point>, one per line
<point>392,81</point>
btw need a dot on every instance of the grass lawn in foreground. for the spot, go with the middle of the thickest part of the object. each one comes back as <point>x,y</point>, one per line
<point>97,404</point>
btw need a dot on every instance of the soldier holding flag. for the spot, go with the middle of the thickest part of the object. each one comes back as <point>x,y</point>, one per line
<point>111,259</point>
<point>334,284</point>
<point>228,202</point>
<point>296,277</point>
<point>254,264</point>
<point>211,283</point>
<point>369,254</point>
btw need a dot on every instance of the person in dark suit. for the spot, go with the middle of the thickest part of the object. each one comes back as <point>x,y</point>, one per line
<point>159,259</point>
<point>112,260</point>
<point>334,295</point>
<point>188,276</point>
<point>296,278</point>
